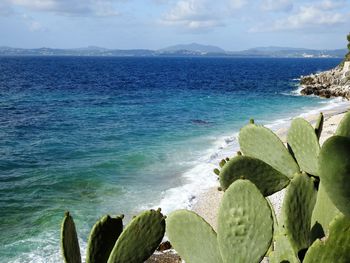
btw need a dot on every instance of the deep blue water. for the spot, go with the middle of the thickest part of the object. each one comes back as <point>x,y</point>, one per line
<point>115,135</point>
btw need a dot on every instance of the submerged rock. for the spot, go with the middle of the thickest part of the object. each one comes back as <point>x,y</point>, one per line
<point>331,83</point>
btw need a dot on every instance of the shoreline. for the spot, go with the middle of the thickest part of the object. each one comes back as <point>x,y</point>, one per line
<point>206,204</point>
<point>200,179</point>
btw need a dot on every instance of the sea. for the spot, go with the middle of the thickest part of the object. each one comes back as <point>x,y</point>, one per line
<point>108,135</point>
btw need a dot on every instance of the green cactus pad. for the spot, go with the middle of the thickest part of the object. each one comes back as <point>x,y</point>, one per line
<point>261,143</point>
<point>334,163</point>
<point>284,251</point>
<point>69,240</point>
<point>297,208</point>
<point>344,126</point>
<point>192,237</point>
<point>245,224</point>
<point>319,125</point>
<point>336,246</point>
<point>102,239</point>
<point>139,239</point>
<point>322,215</point>
<point>304,143</point>
<point>265,177</point>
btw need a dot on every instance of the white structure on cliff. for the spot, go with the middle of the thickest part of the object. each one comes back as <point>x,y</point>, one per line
<point>346,66</point>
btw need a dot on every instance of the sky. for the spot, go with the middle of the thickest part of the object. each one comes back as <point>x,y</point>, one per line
<point>154,24</point>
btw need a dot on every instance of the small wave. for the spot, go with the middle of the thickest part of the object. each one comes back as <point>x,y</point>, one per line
<point>336,104</point>
<point>200,177</point>
<point>47,249</point>
<point>197,180</point>
<point>294,92</point>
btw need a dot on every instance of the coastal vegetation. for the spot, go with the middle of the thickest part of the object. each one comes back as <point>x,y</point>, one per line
<point>314,225</point>
<point>347,57</point>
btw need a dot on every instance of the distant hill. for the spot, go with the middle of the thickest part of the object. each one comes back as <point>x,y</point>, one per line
<point>188,50</point>
<point>193,47</point>
<point>87,51</point>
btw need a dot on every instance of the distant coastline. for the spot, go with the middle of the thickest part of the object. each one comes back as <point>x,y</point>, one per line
<point>188,50</point>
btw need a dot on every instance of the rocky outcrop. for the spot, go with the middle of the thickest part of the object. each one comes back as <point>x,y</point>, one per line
<point>332,83</point>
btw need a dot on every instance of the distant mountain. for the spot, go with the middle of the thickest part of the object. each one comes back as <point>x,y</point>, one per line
<point>193,47</point>
<point>189,50</point>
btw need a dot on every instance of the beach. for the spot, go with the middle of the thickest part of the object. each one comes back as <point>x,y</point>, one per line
<point>207,203</point>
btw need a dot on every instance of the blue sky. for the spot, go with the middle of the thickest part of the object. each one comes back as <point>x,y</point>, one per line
<point>153,24</point>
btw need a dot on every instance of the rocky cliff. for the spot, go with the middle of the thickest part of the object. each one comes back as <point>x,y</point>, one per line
<point>332,83</point>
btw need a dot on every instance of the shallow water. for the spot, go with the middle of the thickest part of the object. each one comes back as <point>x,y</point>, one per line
<point>116,135</point>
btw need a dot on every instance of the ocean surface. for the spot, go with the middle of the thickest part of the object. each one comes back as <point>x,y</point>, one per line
<point>118,135</point>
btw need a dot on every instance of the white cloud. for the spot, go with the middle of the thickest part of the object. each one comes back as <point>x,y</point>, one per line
<point>325,13</point>
<point>201,14</point>
<point>237,4</point>
<point>32,24</point>
<point>5,8</point>
<point>277,5</point>
<point>329,5</point>
<point>69,7</point>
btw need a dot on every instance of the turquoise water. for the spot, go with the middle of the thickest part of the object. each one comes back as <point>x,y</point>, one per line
<point>117,135</point>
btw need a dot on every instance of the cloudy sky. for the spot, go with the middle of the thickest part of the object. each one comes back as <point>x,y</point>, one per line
<point>153,24</point>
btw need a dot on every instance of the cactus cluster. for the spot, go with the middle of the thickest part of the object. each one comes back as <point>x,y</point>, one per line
<point>314,225</point>
<point>108,242</point>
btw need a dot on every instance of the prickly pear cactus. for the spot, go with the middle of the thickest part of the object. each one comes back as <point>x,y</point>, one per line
<point>261,143</point>
<point>344,126</point>
<point>266,178</point>
<point>139,239</point>
<point>102,238</point>
<point>319,125</point>
<point>297,210</point>
<point>192,237</point>
<point>322,214</point>
<point>245,224</point>
<point>334,163</point>
<point>283,252</point>
<point>69,240</point>
<point>336,246</point>
<point>305,146</point>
